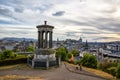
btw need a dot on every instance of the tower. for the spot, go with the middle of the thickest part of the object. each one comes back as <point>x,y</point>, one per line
<point>86,45</point>
<point>80,40</point>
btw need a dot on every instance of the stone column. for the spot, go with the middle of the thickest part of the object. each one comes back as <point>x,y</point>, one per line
<point>47,64</point>
<point>41,39</point>
<point>58,60</point>
<point>46,35</point>
<point>38,39</point>
<point>28,61</point>
<point>33,63</point>
<point>50,39</point>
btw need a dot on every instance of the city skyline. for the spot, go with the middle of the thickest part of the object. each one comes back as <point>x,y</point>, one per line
<point>93,20</point>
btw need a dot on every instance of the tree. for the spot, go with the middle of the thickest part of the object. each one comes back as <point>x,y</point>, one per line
<point>75,52</point>
<point>7,54</point>
<point>69,55</point>
<point>89,60</point>
<point>62,52</point>
<point>2,57</point>
<point>30,49</point>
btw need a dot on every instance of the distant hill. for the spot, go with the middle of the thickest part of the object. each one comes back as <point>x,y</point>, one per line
<point>17,39</point>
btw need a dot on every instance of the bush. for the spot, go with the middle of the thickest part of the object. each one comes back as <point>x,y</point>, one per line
<point>89,60</point>
<point>12,56</point>
<point>2,56</point>
<point>118,71</point>
<point>104,66</point>
<point>110,67</point>
<point>30,49</point>
<point>13,61</point>
<point>7,54</point>
<point>112,70</point>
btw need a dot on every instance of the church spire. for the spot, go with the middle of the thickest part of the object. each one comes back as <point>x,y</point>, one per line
<point>86,44</point>
<point>80,40</point>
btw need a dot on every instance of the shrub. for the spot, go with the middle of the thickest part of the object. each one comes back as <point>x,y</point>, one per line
<point>89,60</point>
<point>12,56</point>
<point>13,61</point>
<point>30,49</point>
<point>8,54</point>
<point>112,70</point>
<point>2,56</point>
<point>104,66</point>
<point>118,71</point>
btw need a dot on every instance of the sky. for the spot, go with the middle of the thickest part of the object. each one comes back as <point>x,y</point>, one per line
<point>93,20</point>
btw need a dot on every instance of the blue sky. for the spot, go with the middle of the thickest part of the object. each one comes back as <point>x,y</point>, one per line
<point>94,20</point>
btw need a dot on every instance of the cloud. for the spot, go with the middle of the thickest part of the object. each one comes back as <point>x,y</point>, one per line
<point>70,34</point>
<point>90,31</point>
<point>87,17</point>
<point>5,12</point>
<point>107,24</point>
<point>18,31</point>
<point>4,22</point>
<point>59,13</point>
<point>107,38</point>
<point>18,9</point>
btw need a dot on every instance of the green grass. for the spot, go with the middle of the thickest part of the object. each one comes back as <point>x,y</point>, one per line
<point>17,77</point>
<point>21,56</point>
<point>15,66</point>
<point>11,61</point>
<point>99,73</point>
<point>18,57</point>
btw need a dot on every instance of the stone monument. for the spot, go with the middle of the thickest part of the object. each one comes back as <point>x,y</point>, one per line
<point>44,54</point>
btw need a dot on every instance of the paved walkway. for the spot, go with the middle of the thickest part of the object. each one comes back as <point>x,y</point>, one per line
<point>62,73</point>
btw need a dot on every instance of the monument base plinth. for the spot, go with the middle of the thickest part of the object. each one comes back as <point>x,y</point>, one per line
<point>44,58</point>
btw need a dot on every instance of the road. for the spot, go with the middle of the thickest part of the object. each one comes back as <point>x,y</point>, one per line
<point>60,73</point>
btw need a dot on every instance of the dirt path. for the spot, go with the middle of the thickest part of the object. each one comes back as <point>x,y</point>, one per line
<point>52,74</point>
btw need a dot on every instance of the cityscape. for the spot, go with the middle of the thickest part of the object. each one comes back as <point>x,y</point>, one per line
<point>109,49</point>
<point>49,40</point>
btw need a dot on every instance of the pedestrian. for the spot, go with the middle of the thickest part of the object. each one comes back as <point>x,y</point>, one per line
<point>77,67</point>
<point>80,68</point>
